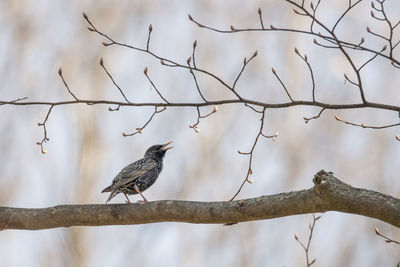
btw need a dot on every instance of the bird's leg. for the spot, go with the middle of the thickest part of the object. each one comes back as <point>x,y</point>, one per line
<point>128,201</point>
<point>137,190</point>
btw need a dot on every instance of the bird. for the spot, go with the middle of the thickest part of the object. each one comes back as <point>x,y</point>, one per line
<point>139,175</point>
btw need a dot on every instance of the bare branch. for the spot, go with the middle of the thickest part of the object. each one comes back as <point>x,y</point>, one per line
<point>113,81</point>
<point>148,37</point>
<point>164,61</point>
<point>197,86</point>
<point>387,239</point>
<point>259,11</point>
<point>92,28</point>
<point>43,124</point>
<point>362,125</point>
<point>192,72</point>
<point>114,109</point>
<point>306,248</point>
<point>372,58</point>
<point>377,34</point>
<point>14,101</point>
<point>154,86</point>
<point>199,116</point>
<point>193,52</point>
<point>328,194</point>
<point>245,62</point>
<point>325,46</point>
<point>325,105</point>
<point>272,136</point>
<point>140,129</point>
<point>252,108</point>
<point>333,39</point>
<point>344,44</point>
<point>307,120</point>
<point>305,59</point>
<point>250,153</point>
<point>314,9</point>
<point>344,13</point>
<point>394,46</point>
<point>381,10</point>
<point>350,81</point>
<point>283,85</point>
<point>340,47</point>
<point>66,85</point>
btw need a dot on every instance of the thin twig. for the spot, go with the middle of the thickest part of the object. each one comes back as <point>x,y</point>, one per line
<point>252,108</point>
<point>306,248</point>
<point>314,10</point>
<point>245,62</point>
<point>260,17</point>
<point>250,153</point>
<point>197,86</point>
<point>283,85</point>
<point>325,46</point>
<point>192,72</point>
<point>148,37</point>
<point>193,52</point>
<point>387,239</point>
<point>154,86</point>
<point>43,124</point>
<point>307,120</point>
<point>66,85</point>
<point>164,61</point>
<point>372,58</point>
<point>114,109</point>
<point>344,13</point>
<point>362,125</point>
<point>113,81</point>
<point>340,47</point>
<point>350,81</point>
<point>343,43</point>
<point>385,18</point>
<point>140,129</point>
<point>305,59</point>
<point>16,100</point>
<point>199,116</point>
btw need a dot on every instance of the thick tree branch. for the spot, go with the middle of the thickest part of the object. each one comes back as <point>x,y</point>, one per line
<point>328,194</point>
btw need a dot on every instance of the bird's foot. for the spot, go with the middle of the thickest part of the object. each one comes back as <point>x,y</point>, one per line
<point>127,199</point>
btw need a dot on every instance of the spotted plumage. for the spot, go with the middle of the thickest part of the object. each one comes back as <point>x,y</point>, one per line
<point>140,175</point>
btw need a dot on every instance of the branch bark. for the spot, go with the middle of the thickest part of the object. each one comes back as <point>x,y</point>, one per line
<point>328,194</point>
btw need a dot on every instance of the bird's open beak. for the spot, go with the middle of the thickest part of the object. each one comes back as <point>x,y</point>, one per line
<point>165,148</point>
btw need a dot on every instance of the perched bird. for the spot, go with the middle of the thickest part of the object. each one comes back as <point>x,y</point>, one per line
<point>140,175</point>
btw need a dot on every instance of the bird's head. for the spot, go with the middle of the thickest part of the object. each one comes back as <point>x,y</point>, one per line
<point>158,151</point>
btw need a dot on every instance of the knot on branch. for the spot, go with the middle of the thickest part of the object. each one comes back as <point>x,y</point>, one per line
<point>320,177</point>
<point>329,187</point>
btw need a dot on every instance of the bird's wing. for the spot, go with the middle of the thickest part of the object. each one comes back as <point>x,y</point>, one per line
<point>133,171</point>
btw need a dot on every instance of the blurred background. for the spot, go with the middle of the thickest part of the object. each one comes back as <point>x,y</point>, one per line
<point>86,148</point>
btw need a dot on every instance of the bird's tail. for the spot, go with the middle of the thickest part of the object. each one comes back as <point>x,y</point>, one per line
<point>112,194</point>
<point>107,189</point>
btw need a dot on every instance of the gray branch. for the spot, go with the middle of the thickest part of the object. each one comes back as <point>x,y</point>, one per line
<point>328,194</point>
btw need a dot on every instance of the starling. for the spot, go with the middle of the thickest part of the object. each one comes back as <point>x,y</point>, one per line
<point>140,175</point>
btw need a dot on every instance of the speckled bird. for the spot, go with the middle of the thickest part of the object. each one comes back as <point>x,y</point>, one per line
<point>140,175</point>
